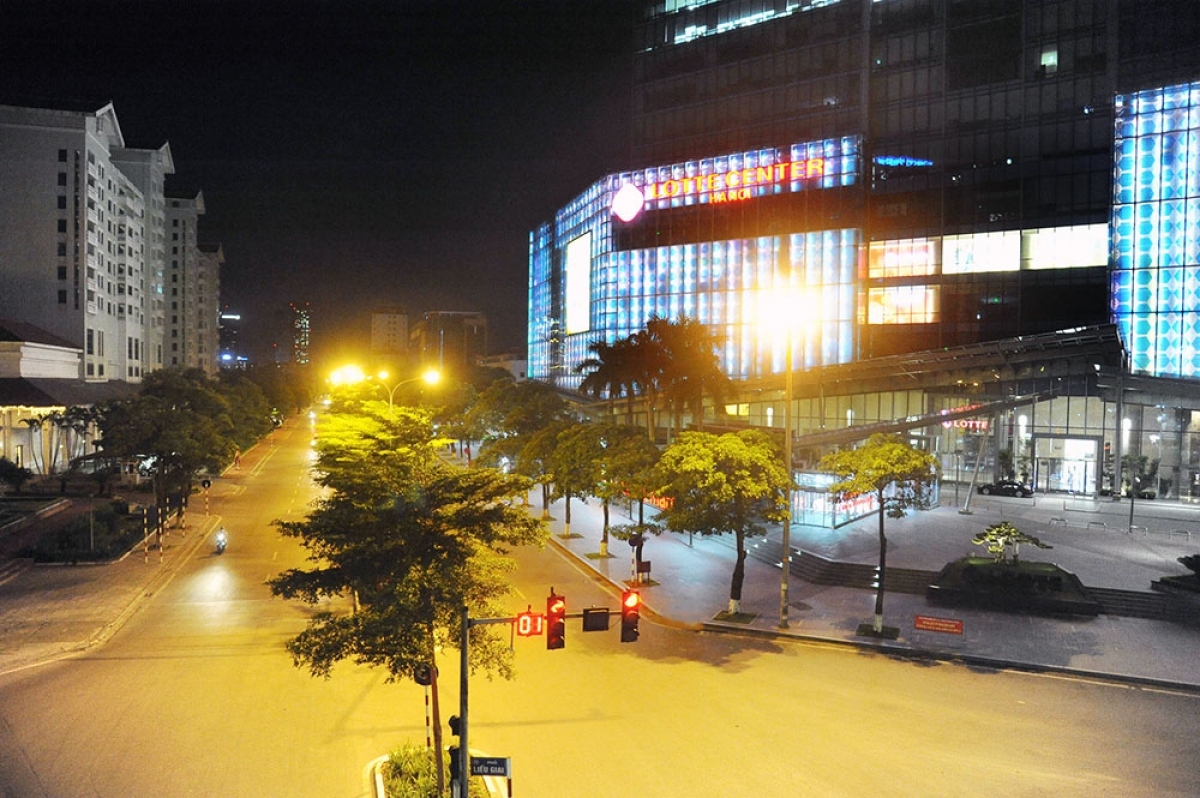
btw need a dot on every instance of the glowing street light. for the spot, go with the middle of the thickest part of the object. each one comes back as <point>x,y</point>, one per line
<point>346,375</point>
<point>786,312</point>
<point>429,377</point>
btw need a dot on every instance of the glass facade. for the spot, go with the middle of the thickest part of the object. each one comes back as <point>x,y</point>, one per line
<point>964,176</point>
<point>1156,229</point>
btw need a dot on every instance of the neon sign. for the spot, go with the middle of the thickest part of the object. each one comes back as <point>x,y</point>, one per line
<point>735,185</point>
<point>738,176</point>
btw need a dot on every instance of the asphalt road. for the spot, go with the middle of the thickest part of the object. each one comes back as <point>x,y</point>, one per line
<point>196,696</point>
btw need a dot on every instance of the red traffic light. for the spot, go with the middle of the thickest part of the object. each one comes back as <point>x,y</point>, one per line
<point>556,621</point>
<point>631,604</point>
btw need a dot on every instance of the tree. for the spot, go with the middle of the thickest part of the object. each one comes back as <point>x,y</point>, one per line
<point>626,457</point>
<point>575,465</point>
<point>610,373</point>
<point>998,537</point>
<point>509,413</point>
<point>35,424</point>
<point>689,369</point>
<point>630,472</point>
<point>14,475</point>
<point>723,483</point>
<point>897,475</point>
<point>412,540</point>
<point>534,460</point>
<point>179,420</point>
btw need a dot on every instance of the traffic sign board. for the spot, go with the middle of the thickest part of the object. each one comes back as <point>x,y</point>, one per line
<point>490,766</point>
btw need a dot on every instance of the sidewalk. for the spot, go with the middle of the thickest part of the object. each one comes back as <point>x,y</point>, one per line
<point>692,584</point>
<point>52,611</point>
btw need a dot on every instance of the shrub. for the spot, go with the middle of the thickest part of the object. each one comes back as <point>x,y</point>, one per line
<point>409,773</point>
<point>102,535</point>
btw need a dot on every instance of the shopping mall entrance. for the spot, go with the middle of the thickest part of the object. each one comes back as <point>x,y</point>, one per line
<point>1066,464</point>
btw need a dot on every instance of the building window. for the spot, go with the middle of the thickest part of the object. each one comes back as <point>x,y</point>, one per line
<point>91,342</point>
<point>62,225</point>
<point>62,272</point>
<point>62,203</point>
<point>62,248</point>
<point>62,178</point>
<point>62,296</point>
<point>1049,61</point>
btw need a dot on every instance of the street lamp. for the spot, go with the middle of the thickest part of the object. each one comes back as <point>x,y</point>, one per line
<point>429,377</point>
<point>780,310</point>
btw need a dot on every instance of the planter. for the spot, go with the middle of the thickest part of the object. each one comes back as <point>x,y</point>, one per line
<point>1011,587</point>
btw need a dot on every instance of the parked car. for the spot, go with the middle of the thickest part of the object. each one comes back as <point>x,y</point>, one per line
<point>1006,487</point>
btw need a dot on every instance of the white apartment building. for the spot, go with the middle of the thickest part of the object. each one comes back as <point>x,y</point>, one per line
<point>148,170</point>
<point>83,238</point>
<point>191,290</point>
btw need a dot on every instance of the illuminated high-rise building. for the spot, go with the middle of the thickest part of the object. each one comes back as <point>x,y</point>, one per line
<point>922,176</point>
<point>301,332</point>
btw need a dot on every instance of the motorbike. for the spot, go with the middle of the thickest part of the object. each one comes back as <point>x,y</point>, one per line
<point>222,541</point>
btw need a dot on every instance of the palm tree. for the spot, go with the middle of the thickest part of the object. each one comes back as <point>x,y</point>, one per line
<point>609,372</point>
<point>35,424</point>
<point>690,369</point>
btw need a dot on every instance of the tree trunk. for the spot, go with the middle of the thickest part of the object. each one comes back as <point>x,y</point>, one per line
<point>567,518</point>
<point>545,500</point>
<point>604,532</point>
<point>437,719</point>
<point>739,575</point>
<point>882,570</point>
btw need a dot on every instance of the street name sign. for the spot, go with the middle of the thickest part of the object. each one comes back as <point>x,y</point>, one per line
<point>490,766</point>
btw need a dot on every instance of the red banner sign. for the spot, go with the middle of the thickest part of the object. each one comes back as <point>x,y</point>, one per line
<point>950,626</point>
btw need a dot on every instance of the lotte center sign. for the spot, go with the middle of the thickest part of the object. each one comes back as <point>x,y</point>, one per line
<point>739,176</point>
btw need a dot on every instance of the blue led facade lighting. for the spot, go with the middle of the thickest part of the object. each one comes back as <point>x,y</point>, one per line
<point>1155,284</point>
<point>712,281</point>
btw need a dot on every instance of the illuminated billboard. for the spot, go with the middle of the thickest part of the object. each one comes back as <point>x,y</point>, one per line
<point>982,252</point>
<point>903,304</point>
<point>579,284</point>
<point>910,257</point>
<point>1074,247</point>
<point>739,176</point>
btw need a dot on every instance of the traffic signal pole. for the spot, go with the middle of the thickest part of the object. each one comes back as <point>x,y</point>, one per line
<point>464,749</point>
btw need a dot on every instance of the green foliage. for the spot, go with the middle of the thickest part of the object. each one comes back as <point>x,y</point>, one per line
<point>13,475</point>
<point>723,483</point>
<point>998,537</point>
<point>413,539</point>
<point>575,461</point>
<point>181,419</point>
<point>103,535</point>
<point>411,772</point>
<point>508,414</point>
<point>898,475</point>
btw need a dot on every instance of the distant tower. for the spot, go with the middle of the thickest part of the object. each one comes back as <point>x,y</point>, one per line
<point>301,330</point>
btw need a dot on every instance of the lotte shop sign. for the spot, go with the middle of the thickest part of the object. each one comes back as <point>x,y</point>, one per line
<point>739,176</point>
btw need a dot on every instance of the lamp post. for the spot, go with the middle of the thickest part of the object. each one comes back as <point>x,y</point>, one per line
<point>780,309</point>
<point>429,377</point>
<point>787,464</point>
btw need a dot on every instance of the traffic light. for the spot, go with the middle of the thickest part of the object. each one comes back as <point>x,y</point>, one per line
<point>455,752</point>
<point>631,605</point>
<point>556,621</point>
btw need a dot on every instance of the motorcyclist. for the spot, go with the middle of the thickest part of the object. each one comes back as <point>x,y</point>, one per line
<point>222,539</point>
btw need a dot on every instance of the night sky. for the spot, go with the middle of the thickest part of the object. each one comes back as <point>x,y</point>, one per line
<point>352,153</point>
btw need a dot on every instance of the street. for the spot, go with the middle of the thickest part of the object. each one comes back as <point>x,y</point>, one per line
<point>195,695</point>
